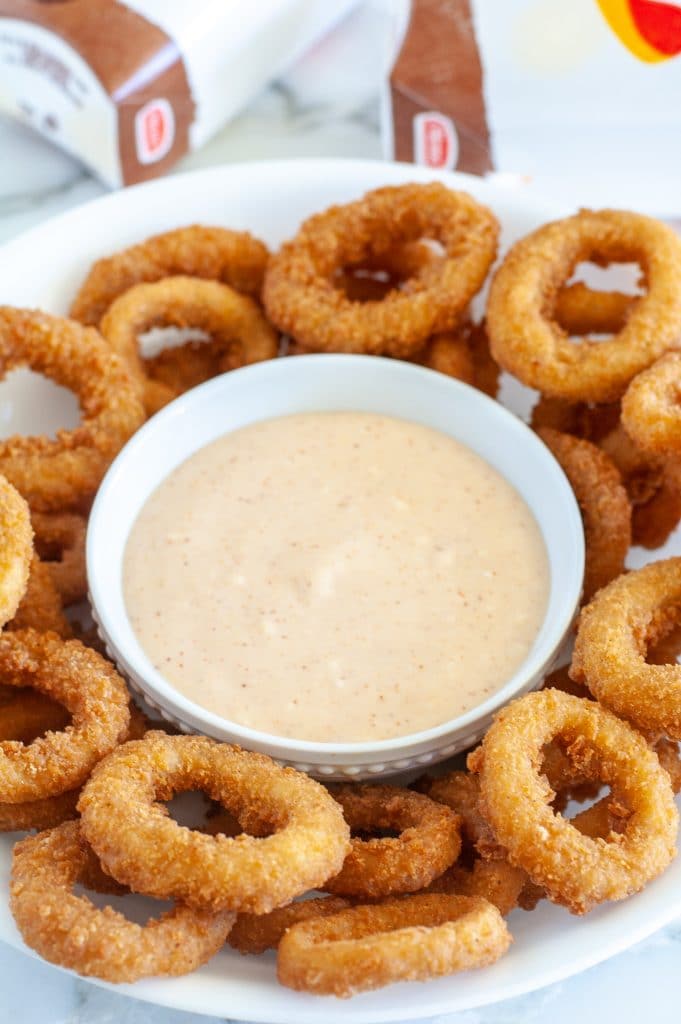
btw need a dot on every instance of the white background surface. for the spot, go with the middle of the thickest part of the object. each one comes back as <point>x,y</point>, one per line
<point>318,110</point>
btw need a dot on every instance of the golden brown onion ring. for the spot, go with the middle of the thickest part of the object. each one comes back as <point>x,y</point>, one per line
<point>651,407</point>
<point>16,547</point>
<point>613,636</point>
<point>428,843</point>
<point>55,474</point>
<point>145,849</point>
<point>254,933</point>
<point>300,292</point>
<point>60,543</point>
<point>234,257</point>
<point>90,690</point>
<point>529,344</point>
<point>69,930</point>
<point>240,332</point>
<point>407,939</point>
<point>603,502</point>
<point>576,870</point>
<point>41,606</point>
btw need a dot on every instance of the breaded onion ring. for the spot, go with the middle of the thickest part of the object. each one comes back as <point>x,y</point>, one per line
<point>371,280</point>
<point>41,606</point>
<point>28,714</point>
<point>603,502</point>
<point>60,543</point>
<point>612,639</point>
<point>651,407</point>
<point>57,474</point>
<point>409,939</point>
<point>142,847</point>
<point>590,422</point>
<point>254,933</point>
<point>70,931</point>
<point>301,294</point>
<point>39,814</point>
<point>429,841</point>
<point>460,791</point>
<point>234,257</point>
<point>653,486</point>
<point>581,310</point>
<point>496,881</point>
<point>16,547</point>
<point>88,687</point>
<point>528,343</point>
<point>576,871</point>
<point>240,332</point>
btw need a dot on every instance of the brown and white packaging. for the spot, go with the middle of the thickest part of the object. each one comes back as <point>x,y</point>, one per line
<point>129,86</point>
<point>580,97</point>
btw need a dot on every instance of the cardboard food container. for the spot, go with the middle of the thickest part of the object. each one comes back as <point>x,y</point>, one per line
<point>130,86</point>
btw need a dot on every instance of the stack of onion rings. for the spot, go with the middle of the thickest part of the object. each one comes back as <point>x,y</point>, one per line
<point>234,257</point>
<point>239,331</point>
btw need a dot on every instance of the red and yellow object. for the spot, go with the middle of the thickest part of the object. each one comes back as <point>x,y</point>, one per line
<point>649,29</point>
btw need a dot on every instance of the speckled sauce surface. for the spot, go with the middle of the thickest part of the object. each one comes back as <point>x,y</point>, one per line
<point>337,577</point>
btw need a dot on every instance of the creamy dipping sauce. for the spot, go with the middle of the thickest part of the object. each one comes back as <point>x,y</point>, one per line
<point>337,577</point>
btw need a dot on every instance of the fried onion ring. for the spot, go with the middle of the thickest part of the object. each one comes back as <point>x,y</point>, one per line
<point>301,294</point>
<point>528,343</point>
<point>39,814</point>
<point>581,310</point>
<point>41,606</point>
<point>496,881</point>
<point>460,791</point>
<point>60,543</point>
<point>412,938</point>
<point>603,502</point>
<point>70,931</point>
<point>145,849</point>
<point>234,257</point>
<point>90,690</point>
<point>651,407</point>
<point>241,334</point>
<point>429,841</point>
<point>57,474</point>
<point>254,933</point>
<point>27,714</point>
<point>575,870</point>
<point>653,486</point>
<point>16,546</point>
<point>613,636</point>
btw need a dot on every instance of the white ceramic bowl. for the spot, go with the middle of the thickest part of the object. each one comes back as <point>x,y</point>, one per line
<point>332,382</point>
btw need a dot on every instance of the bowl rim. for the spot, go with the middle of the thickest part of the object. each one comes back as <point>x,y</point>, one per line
<point>170,699</point>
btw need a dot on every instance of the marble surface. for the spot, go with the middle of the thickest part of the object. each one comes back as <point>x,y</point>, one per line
<point>317,110</point>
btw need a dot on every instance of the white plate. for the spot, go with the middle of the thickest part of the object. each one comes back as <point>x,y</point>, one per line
<point>44,268</point>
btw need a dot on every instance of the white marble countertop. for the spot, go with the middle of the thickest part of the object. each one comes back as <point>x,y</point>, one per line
<point>307,114</point>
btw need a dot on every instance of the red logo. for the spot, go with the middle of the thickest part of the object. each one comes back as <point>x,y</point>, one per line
<point>154,131</point>
<point>435,140</point>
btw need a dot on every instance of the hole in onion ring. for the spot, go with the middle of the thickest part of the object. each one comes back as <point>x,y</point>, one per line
<point>32,404</point>
<point>138,909</point>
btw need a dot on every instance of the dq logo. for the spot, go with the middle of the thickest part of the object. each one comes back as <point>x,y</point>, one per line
<point>649,29</point>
